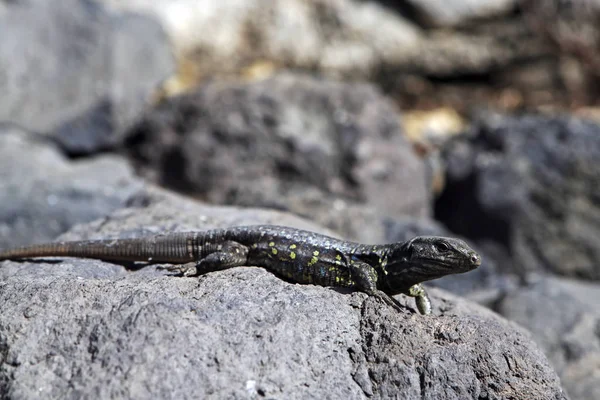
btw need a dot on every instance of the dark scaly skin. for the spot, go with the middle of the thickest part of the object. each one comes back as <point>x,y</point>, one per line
<point>293,254</point>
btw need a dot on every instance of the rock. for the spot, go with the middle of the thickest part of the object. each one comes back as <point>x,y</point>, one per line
<point>471,352</point>
<point>42,194</point>
<point>443,13</point>
<point>530,184</point>
<point>341,39</point>
<point>426,53</point>
<point>153,210</point>
<point>432,128</point>
<point>564,318</point>
<point>332,152</point>
<point>84,75</point>
<point>335,37</point>
<point>93,329</point>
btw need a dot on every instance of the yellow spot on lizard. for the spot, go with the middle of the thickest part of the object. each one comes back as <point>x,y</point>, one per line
<point>313,261</point>
<point>292,255</point>
<point>271,244</point>
<point>316,252</point>
<point>293,246</point>
<point>338,257</point>
<point>274,250</point>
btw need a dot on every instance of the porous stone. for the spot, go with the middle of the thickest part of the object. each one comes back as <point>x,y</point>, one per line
<point>86,328</point>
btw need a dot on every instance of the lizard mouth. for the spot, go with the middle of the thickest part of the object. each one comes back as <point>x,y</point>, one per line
<point>455,264</point>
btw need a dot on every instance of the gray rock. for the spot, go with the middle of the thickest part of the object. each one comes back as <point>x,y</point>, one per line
<point>446,13</point>
<point>75,72</point>
<point>564,318</point>
<point>42,194</point>
<point>524,47</point>
<point>471,352</point>
<point>84,328</point>
<point>329,151</point>
<point>530,184</point>
<point>342,39</point>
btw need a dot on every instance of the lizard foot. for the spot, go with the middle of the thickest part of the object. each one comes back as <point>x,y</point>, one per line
<point>387,299</point>
<point>187,269</point>
<point>421,298</point>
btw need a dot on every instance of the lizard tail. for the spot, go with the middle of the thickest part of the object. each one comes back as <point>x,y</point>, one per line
<point>172,248</point>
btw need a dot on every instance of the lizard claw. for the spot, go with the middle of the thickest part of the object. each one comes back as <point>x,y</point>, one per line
<point>387,299</point>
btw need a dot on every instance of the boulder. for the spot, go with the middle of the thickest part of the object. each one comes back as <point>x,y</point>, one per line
<point>43,194</point>
<point>564,319</point>
<point>86,328</point>
<point>75,72</point>
<point>326,150</point>
<point>529,183</point>
<point>444,13</point>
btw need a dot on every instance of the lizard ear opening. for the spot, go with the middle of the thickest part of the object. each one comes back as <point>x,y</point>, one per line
<point>408,246</point>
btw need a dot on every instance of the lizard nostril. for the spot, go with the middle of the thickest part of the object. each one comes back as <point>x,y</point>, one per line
<point>475,259</point>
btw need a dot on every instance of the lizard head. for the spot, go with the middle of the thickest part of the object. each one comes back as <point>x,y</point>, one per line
<point>429,257</point>
<point>449,255</point>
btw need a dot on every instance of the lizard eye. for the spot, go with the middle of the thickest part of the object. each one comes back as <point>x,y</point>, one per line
<point>442,247</point>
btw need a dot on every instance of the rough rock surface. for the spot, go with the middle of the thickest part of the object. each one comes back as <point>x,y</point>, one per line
<point>531,184</point>
<point>427,53</point>
<point>42,194</point>
<point>76,72</point>
<point>564,319</point>
<point>89,328</point>
<point>341,38</point>
<point>329,151</point>
<point>455,12</point>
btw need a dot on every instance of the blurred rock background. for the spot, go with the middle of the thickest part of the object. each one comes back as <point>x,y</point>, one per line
<point>377,120</point>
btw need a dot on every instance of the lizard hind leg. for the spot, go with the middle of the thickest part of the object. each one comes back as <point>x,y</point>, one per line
<point>231,254</point>
<point>187,269</point>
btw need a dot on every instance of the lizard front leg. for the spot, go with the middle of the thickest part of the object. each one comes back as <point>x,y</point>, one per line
<point>232,254</point>
<point>421,298</point>
<point>365,280</point>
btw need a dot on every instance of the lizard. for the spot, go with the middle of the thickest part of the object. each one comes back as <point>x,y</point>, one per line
<point>299,256</point>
